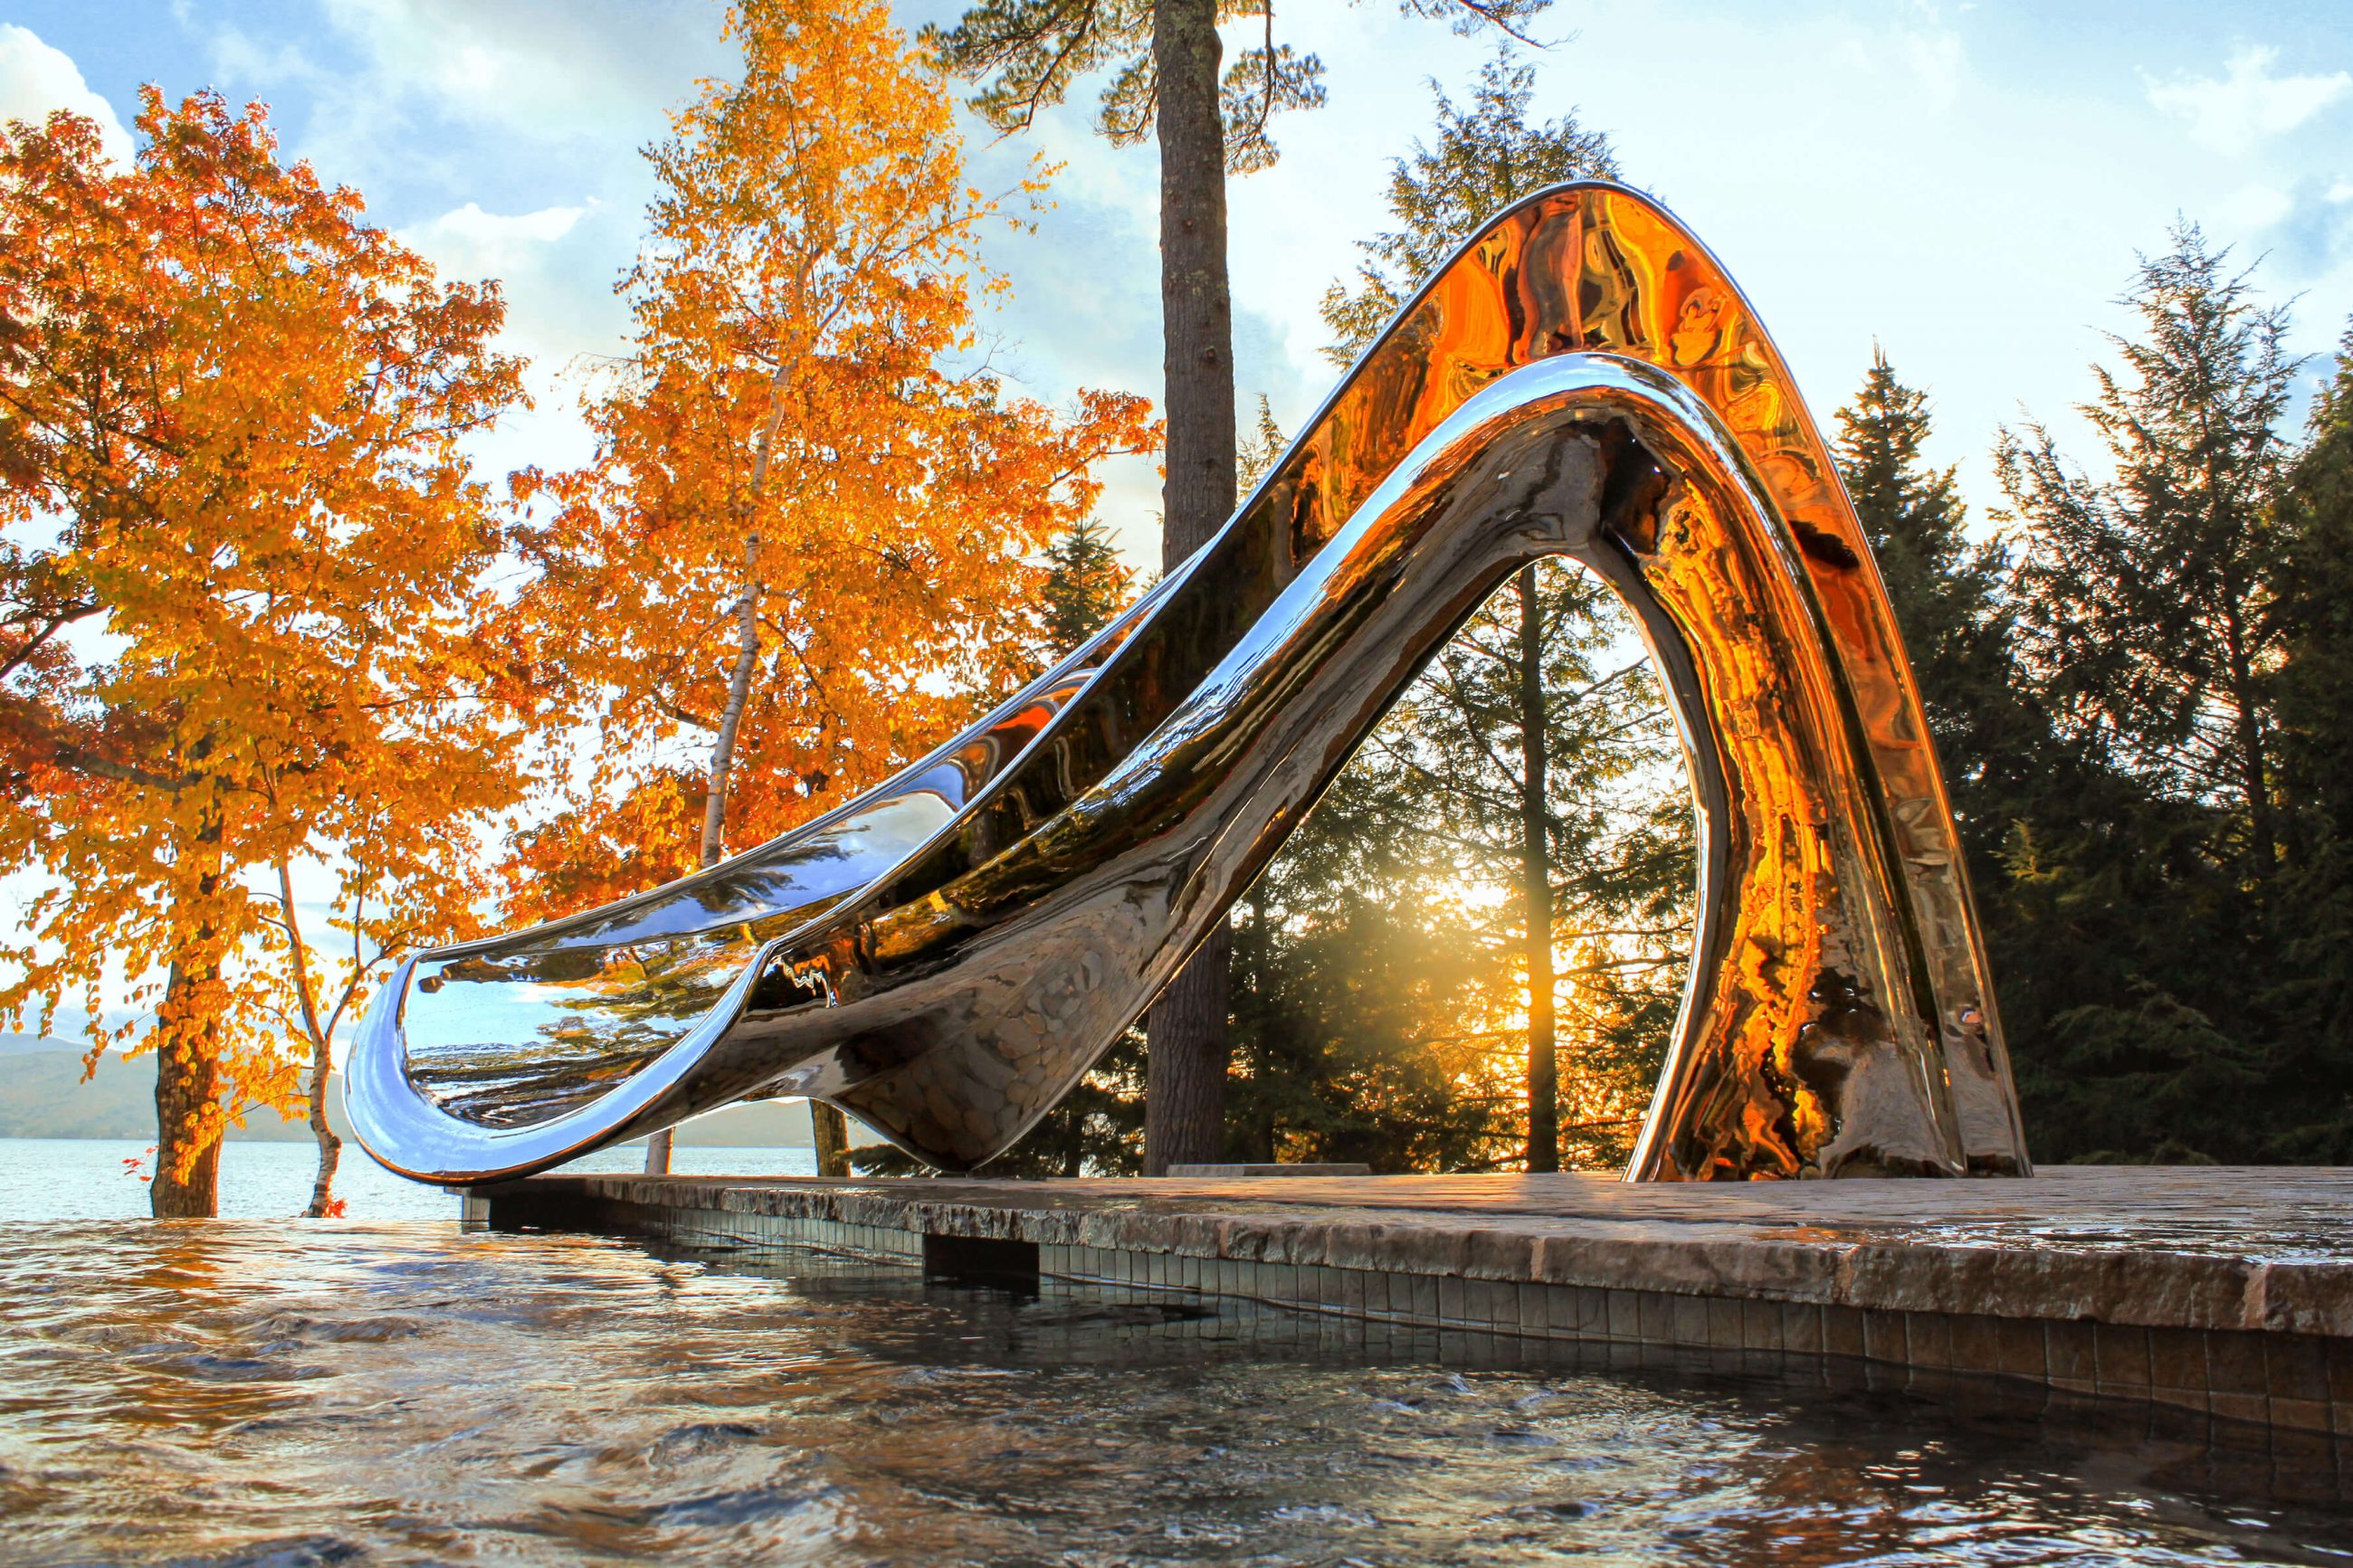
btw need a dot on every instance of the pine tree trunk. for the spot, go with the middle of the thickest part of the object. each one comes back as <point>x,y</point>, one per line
<point>830,1131</point>
<point>187,1085</point>
<point>2253,765</point>
<point>1536,887</point>
<point>1185,1074</point>
<point>1255,948</point>
<point>1185,1090</point>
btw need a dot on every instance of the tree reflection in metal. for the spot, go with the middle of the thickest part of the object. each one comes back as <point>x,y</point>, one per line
<point>945,956</point>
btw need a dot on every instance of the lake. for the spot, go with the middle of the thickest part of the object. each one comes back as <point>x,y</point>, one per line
<point>86,1178</point>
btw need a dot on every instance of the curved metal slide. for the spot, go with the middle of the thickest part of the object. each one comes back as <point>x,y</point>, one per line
<point>945,956</point>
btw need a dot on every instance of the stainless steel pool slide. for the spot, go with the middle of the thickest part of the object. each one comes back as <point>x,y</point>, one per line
<point>945,956</point>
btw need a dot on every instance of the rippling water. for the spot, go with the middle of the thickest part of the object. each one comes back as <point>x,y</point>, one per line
<point>242,1392</point>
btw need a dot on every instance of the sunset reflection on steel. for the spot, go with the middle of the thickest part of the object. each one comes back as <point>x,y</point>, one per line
<point>947,955</point>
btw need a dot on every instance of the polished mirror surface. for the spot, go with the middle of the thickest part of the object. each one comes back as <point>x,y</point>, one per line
<point>946,956</point>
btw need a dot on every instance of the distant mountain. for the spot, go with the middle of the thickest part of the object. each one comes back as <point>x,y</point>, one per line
<point>42,1096</point>
<point>20,1045</point>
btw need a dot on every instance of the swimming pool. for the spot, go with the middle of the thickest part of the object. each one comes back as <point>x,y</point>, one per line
<point>236,1391</point>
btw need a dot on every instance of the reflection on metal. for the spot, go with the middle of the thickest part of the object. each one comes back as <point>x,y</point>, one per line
<point>945,956</point>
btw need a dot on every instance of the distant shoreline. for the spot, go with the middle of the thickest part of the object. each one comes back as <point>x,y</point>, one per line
<point>44,1095</point>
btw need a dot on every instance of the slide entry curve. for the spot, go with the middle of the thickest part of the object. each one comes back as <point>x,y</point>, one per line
<point>945,956</point>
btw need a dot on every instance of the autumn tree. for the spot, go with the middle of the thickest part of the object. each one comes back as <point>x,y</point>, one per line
<point>1165,77</point>
<point>804,541</point>
<point>240,624</point>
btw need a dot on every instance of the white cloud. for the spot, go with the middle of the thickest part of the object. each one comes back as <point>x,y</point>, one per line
<point>555,266</point>
<point>36,79</point>
<point>1931,55</point>
<point>2236,110</point>
<point>472,243</point>
<point>548,66</point>
<point>1937,62</point>
<point>2255,208</point>
<point>268,63</point>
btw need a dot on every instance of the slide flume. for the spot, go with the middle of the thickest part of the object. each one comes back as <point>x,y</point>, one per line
<point>945,956</point>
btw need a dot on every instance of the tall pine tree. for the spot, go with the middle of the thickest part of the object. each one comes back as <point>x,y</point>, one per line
<point>1949,593</point>
<point>2313,606</point>
<point>1086,586</point>
<point>2132,929</point>
<point>1524,737</point>
<point>2147,594</point>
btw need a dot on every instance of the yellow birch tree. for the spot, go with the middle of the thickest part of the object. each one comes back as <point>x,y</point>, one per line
<point>806,544</point>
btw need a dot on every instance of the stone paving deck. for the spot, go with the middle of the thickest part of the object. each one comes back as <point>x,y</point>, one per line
<point>2218,1290</point>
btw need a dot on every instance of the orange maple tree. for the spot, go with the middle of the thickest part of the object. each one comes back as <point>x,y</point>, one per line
<point>243,637</point>
<point>806,545</point>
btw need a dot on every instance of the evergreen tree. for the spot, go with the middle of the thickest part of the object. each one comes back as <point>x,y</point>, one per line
<point>1363,1024</point>
<point>1086,586</point>
<point>2059,844</point>
<point>1356,1006</point>
<point>2132,937</point>
<point>1540,757</point>
<point>2313,602</point>
<point>2313,610</point>
<point>1259,449</point>
<point>1485,157</point>
<point>2147,595</point>
<point>1518,741</point>
<point>1948,595</point>
<point>1381,959</point>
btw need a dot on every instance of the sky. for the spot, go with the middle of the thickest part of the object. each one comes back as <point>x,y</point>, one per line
<point>1964,185</point>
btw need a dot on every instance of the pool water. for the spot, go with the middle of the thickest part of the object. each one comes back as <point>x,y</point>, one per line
<point>247,1393</point>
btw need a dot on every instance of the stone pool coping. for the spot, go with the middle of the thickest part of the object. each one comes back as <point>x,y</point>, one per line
<point>2222,1290</point>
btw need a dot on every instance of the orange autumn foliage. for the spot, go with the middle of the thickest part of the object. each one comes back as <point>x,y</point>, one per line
<point>240,611</point>
<point>805,548</point>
